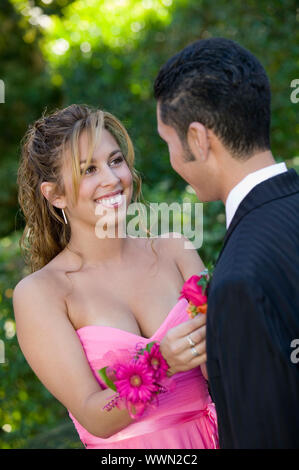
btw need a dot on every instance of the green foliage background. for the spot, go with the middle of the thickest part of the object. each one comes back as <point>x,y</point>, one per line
<point>107,53</point>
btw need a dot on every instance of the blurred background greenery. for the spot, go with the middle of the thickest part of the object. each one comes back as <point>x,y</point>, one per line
<point>107,53</point>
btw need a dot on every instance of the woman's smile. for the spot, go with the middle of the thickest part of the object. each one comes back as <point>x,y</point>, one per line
<point>112,202</point>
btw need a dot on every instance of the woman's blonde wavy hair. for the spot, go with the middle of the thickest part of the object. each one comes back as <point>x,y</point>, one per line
<point>43,150</point>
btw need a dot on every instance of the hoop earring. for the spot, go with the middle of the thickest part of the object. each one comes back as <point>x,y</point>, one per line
<point>64,216</point>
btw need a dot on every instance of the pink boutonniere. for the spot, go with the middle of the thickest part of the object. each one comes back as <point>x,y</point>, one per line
<point>194,290</point>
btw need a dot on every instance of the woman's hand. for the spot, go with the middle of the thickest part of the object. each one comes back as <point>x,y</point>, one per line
<point>184,346</point>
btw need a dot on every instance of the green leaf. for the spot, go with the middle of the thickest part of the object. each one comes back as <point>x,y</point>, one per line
<point>203,283</point>
<point>149,346</point>
<point>206,274</point>
<point>104,377</point>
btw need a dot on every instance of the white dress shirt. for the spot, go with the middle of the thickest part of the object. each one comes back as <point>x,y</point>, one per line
<point>240,191</point>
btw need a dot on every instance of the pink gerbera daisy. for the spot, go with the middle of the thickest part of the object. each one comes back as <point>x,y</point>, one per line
<point>134,382</point>
<point>155,361</point>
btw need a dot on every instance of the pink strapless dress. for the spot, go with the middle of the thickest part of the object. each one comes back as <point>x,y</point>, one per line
<point>185,417</point>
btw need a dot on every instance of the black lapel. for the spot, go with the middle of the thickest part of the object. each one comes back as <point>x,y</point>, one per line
<point>276,187</point>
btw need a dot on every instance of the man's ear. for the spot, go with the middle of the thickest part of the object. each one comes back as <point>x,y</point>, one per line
<point>198,141</point>
<point>48,191</point>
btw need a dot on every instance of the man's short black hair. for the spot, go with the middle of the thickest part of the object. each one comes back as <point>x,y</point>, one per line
<point>219,83</point>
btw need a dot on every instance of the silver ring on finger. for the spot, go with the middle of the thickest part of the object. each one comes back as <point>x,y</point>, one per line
<point>190,340</point>
<point>194,351</point>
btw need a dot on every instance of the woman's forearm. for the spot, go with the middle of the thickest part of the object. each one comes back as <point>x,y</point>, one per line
<point>103,423</point>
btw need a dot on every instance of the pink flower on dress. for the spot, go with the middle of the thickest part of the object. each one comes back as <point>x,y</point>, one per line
<point>155,361</point>
<point>193,292</point>
<point>134,382</point>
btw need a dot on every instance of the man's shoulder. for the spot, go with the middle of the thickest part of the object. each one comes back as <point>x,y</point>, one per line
<point>268,225</point>
<point>261,252</point>
<point>263,209</point>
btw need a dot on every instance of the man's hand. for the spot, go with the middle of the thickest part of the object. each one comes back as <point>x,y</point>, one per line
<point>177,349</point>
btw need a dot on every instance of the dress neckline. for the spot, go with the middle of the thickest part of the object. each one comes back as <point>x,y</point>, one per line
<point>134,334</point>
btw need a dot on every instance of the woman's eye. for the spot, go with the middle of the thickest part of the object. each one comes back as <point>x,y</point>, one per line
<point>118,160</point>
<point>92,168</point>
<point>87,169</point>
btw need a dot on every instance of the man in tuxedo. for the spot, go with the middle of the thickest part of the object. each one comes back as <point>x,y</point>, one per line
<point>213,111</point>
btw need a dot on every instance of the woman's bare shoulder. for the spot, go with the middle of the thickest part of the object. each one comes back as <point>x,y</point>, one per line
<point>171,242</point>
<point>42,276</point>
<point>183,253</point>
<point>49,280</point>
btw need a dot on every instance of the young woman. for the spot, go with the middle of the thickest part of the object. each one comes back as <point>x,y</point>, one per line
<point>88,294</point>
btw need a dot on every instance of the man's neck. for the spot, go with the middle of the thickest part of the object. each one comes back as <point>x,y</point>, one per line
<point>237,170</point>
<point>240,191</point>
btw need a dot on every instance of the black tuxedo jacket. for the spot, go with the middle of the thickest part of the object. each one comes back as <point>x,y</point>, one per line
<point>253,318</point>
